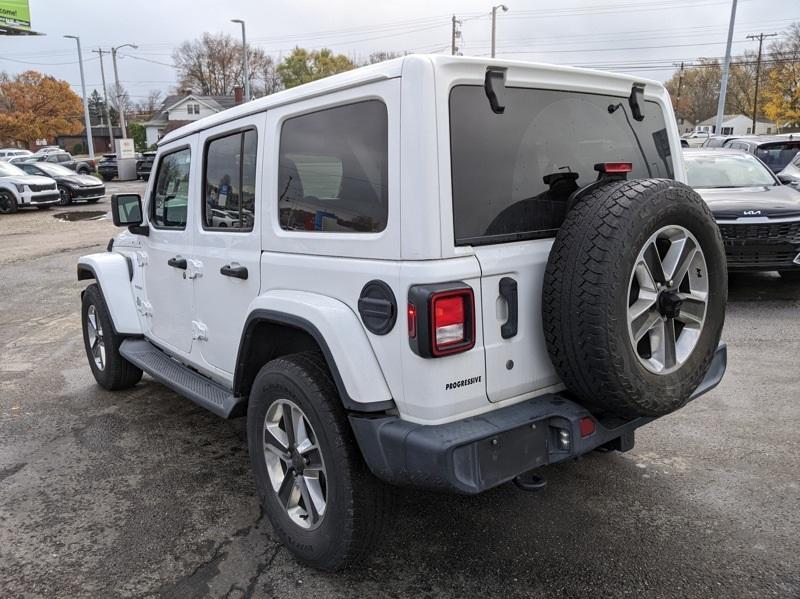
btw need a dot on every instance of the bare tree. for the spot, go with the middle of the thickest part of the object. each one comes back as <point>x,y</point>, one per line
<point>212,65</point>
<point>147,108</point>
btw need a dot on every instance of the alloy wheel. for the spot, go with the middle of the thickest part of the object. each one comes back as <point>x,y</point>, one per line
<point>295,464</point>
<point>97,345</point>
<point>6,203</point>
<point>667,299</point>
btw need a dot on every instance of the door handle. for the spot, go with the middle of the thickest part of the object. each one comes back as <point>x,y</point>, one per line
<point>177,262</point>
<point>508,291</point>
<point>239,272</point>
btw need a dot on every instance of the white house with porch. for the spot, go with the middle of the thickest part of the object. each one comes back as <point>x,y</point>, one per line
<point>737,124</point>
<point>177,110</point>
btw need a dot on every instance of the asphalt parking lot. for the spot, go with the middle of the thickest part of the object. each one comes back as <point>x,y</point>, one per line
<point>142,493</point>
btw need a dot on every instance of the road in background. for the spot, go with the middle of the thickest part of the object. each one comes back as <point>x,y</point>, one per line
<point>142,493</point>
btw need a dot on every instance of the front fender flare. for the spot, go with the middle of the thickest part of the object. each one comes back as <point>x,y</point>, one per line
<point>339,334</point>
<point>113,271</point>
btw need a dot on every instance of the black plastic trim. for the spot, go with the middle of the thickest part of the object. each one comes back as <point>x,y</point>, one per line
<point>377,307</point>
<point>297,322</point>
<point>508,291</point>
<point>481,452</point>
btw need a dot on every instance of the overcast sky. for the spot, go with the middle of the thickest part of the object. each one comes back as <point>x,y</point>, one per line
<point>641,36</point>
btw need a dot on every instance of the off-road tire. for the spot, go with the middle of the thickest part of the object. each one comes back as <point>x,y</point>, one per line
<point>117,373</point>
<point>8,203</point>
<point>586,289</point>
<point>358,505</point>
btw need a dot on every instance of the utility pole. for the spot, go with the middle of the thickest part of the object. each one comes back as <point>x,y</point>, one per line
<point>680,85</point>
<point>456,35</point>
<point>245,69</point>
<point>494,22</point>
<point>760,37</point>
<point>87,121</point>
<point>118,89</point>
<point>723,87</point>
<point>100,51</point>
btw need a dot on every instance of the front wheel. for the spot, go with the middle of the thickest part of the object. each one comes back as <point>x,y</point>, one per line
<point>8,203</point>
<point>110,369</point>
<point>323,502</point>
<point>63,197</point>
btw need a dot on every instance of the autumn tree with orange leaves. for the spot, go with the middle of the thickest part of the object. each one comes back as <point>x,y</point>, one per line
<point>35,106</point>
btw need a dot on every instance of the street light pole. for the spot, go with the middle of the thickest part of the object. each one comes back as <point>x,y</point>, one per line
<point>245,68</point>
<point>100,51</point>
<point>87,121</point>
<point>760,37</point>
<point>723,87</point>
<point>118,89</point>
<point>494,22</point>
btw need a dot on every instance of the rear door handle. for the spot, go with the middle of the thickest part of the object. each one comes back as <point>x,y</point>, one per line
<point>239,272</point>
<point>177,262</point>
<point>508,291</point>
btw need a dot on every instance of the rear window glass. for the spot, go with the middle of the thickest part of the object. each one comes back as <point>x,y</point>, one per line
<point>512,173</point>
<point>777,155</point>
<point>333,170</point>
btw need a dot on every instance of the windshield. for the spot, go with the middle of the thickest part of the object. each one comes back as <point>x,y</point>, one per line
<point>777,155</point>
<point>513,173</point>
<point>55,169</point>
<point>9,170</point>
<point>706,171</point>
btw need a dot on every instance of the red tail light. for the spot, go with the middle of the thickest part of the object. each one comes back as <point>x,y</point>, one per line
<point>587,427</point>
<point>613,168</point>
<point>441,319</point>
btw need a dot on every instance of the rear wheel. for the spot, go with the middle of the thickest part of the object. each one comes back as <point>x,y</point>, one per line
<point>634,296</point>
<point>8,203</point>
<point>110,369</point>
<point>320,497</point>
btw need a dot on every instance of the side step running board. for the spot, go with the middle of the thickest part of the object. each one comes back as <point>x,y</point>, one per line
<point>181,379</point>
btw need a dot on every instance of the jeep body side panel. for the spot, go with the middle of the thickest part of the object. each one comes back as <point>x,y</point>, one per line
<point>112,273</point>
<point>341,330</point>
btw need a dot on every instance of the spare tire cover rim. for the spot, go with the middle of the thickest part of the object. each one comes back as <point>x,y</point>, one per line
<point>667,299</point>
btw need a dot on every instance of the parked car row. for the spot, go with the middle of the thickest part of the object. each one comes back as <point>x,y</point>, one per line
<point>758,215</point>
<point>44,184</point>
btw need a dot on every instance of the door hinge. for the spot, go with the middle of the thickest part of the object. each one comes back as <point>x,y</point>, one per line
<point>145,308</point>
<point>141,258</point>
<point>194,269</point>
<point>199,331</point>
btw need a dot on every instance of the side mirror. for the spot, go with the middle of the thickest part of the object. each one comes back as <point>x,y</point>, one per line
<point>786,180</point>
<point>126,209</point>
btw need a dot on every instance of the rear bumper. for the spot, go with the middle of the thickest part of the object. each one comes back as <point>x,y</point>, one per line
<point>476,454</point>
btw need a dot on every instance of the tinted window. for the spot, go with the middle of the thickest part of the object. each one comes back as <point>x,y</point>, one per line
<point>171,191</point>
<point>333,170</point>
<point>777,155</point>
<point>512,173</point>
<point>230,178</point>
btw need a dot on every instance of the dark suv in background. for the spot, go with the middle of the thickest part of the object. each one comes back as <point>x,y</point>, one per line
<point>107,166</point>
<point>774,151</point>
<point>145,165</point>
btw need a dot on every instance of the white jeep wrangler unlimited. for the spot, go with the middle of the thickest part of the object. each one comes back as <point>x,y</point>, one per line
<point>435,271</point>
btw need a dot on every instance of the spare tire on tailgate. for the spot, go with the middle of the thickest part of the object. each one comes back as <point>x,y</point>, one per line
<point>634,296</point>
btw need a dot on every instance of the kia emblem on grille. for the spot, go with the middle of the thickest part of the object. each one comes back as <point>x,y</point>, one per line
<point>752,212</point>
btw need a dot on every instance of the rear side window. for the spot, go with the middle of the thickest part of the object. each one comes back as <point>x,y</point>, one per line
<point>513,173</point>
<point>230,179</point>
<point>777,155</point>
<point>171,191</point>
<point>333,170</point>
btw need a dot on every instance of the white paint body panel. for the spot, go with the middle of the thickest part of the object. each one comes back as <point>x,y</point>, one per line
<point>319,276</point>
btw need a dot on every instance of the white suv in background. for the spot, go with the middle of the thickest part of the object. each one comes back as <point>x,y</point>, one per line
<point>441,272</point>
<point>18,189</point>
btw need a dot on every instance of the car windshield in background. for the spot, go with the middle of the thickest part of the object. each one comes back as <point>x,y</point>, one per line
<point>512,173</point>
<point>777,155</point>
<point>705,171</point>
<point>9,170</point>
<point>55,170</point>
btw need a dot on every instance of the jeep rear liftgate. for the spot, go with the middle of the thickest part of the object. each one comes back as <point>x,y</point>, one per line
<point>514,168</point>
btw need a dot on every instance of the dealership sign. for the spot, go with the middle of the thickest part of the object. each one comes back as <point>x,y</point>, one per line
<point>15,14</point>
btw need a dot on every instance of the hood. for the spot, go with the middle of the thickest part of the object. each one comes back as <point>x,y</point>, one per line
<point>82,180</point>
<point>773,201</point>
<point>28,180</point>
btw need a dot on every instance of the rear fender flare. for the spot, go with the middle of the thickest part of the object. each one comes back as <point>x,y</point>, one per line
<point>340,336</point>
<point>113,273</point>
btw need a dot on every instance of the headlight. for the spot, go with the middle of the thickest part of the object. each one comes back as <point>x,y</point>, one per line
<point>20,187</point>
